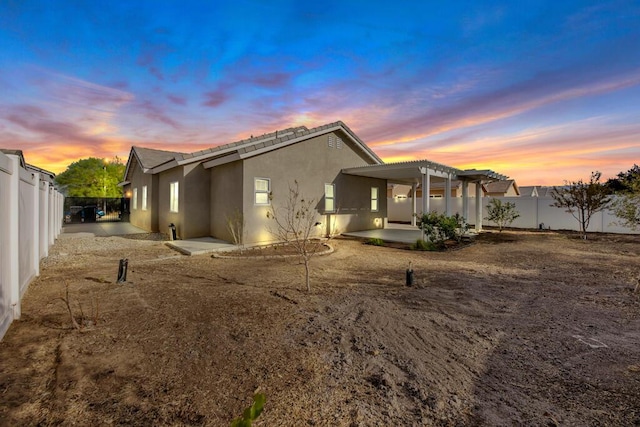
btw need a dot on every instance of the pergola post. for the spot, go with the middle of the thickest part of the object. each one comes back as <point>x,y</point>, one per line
<point>478,206</point>
<point>465,200</point>
<point>447,195</point>
<point>426,189</point>
<point>414,204</point>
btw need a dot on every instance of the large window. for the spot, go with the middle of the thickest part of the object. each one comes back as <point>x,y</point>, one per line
<point>261,190</point>
<point>134,199</point>
<point>144,197</point>
<point>374,199</point>
<point>329,197</point>
<point>173,197</point>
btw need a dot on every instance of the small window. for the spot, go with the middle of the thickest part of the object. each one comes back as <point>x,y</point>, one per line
<point>262,189</point>
<point>144,197</point>
<point>338,143</point>
<point>134,204</point>
<point>330,141</point>
<point>329,198</point>
<point>374,199</point>
<point>173,197</point>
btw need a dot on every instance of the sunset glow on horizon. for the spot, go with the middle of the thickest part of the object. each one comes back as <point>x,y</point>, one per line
<point>540,91</point>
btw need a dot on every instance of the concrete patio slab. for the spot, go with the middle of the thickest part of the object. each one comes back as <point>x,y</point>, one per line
<point>103,228</point>
<point>202,245</point>
<point>394,233</point>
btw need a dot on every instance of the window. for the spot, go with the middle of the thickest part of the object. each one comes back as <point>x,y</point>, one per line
<point>374,199</point>
<point>261,190</point>
<point>173,197</point>
<point>134,204</point>
<point>329,198</point>
<point>338,143</point>
<point>330,141</point>
<point>144,197</point>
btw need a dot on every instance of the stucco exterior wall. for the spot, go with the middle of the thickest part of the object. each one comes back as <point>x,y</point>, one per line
<point>164,216</point>
<point>145,219</point>
<point>313,163</point>
<point>226,197</point>
<point>196,202</point>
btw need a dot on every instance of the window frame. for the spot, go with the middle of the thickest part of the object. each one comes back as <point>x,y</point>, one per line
<point>332,197</point>
<point>257,191</point>
<point>375,199</point>
<point>145,193</point>
<point>174,197</point>
<point>134,199</point>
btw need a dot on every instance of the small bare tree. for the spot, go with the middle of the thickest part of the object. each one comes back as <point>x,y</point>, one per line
<point>582,199</point>
<point>236,226</point>
<point>502,214</point>
<point>295,222</point>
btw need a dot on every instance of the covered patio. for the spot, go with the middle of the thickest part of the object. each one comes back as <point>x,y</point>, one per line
<point>422,173</point>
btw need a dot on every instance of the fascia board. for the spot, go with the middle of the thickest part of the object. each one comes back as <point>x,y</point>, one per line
<point>163,167</point>
<point>222,160</point>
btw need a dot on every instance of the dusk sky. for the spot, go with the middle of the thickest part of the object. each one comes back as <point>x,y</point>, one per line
<point>541,91</point>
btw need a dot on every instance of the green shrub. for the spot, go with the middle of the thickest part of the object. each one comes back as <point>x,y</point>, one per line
<point>439,227</point>
<point>423,245</point>
<point>252,412</point>
<point>375,242</point>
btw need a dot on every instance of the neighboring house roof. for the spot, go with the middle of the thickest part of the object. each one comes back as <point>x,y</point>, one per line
<point>528,191</point>
<point>502,186</point>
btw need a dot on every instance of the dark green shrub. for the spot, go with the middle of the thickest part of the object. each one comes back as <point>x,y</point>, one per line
<point>375,242</point>
<point>438,227</point>
<point>252,412</point>
<point>423,245</point>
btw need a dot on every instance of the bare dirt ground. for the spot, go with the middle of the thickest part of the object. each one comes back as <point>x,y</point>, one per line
<point>520,328</point>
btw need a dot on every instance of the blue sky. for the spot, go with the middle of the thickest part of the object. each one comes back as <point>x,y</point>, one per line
<point>541,91</point>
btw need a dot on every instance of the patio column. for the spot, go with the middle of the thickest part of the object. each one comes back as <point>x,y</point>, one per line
<point>478,206</point>
<point>414,203</point>
<point>465,200</point>
<point>426,189</point>
<point>447,195</point>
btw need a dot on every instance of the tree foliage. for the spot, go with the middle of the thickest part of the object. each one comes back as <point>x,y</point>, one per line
<point>295,223</point>
<point>502,214</point>
<point>92,177</point>
<point>582,199</point>
<point>627,188</point>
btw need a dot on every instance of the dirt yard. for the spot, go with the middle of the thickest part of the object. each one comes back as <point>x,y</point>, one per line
<point>519,328</point>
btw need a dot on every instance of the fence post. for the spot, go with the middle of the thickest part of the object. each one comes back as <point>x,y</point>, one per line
<point>36,223</point>
<point>13,218</point>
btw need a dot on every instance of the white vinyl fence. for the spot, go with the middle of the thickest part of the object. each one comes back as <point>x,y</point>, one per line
<point>534,212</point>
<point>30,220</point>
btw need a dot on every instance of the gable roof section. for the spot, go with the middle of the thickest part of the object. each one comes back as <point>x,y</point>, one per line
<point>251,147</point>
<point>502,186</point>
<point>149,158</point>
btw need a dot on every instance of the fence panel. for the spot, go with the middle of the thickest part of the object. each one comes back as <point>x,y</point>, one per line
<point>30,220</point>
<point>534,213</point>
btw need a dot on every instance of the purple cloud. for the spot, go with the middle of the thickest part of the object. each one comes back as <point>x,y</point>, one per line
<point>215,98</point>
<point>176,99</point>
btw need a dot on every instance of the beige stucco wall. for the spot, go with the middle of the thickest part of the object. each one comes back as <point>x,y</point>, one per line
<point>226,197</point>
<point>312,163</point>
<point>145,219</point>
<point>197,201</point>
<point>164,216</point>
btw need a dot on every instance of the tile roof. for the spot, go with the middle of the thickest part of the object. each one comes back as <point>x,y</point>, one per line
<point>150,158</point>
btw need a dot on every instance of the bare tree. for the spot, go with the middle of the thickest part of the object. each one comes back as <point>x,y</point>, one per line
<point>236,225</point>
<point>502,214</point>
<point>582,199</point>
<point>295,223</point>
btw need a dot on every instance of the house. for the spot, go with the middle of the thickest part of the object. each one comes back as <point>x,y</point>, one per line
<point>502,188</point>
<point>198,192</point>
